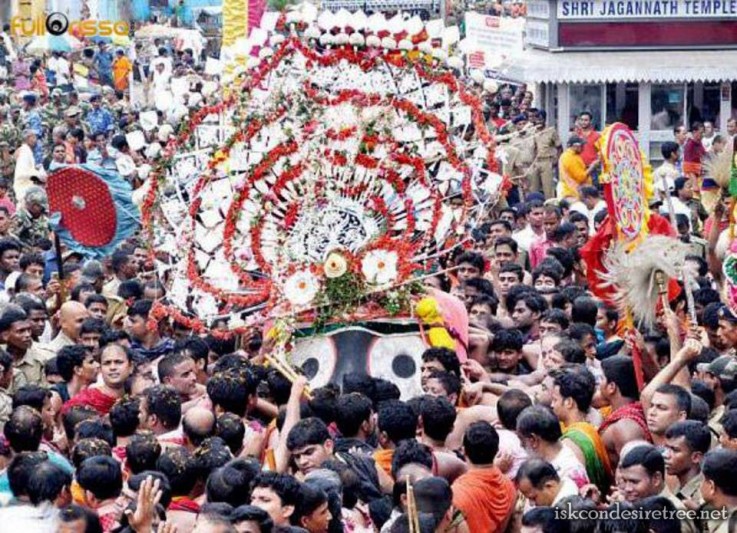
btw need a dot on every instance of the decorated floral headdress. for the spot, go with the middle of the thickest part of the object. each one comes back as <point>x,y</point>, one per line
<point>347,163</point>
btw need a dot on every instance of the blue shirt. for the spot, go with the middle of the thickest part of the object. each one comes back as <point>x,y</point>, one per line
<point>104,61</point>
<point>99,120</point>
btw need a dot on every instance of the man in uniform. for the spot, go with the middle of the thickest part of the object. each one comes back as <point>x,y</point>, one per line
<point>547,149</point>
<point>53,112</point>
<point>30,222</point>
<point>524,143</point>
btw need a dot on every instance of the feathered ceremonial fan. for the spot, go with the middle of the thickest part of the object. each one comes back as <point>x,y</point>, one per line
<point>634,275</point>
<point>718,169</point>
<point>342,168</point>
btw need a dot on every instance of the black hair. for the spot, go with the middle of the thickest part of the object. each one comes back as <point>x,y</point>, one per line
<point>705,296</point>
<point>729,423</point>
<point>46,482</point>
<point>283,485</point>
<point>195,347</point>
<point>438,417</point>
<point>124,416</point>
<point>666,521</point>
<point>231,429</point>
<point>10,316</point>
<point>78,288</point>
<point>310,499</point>
<point>433,495</point>
<point>534,301</point>
<point>164,402</point>
<point>450,382</point>
<point>95,299</point>
<point>398,421</point>
<point>696,434</point>
<point>140,308</point>
<point>101,476</point>
<point>211,454</point>
<point>668,148</point>
<point>510,405</point>
<point>620,370</point>
<point>446,357</point>
<point>95,428</point>
<point>515,268</point>
<point>565,229</point>
<point>541,421</point>
<point>584,310</point>
<point>31,395</point>
<point>230,391</point>
<point>571,351</point>
<point>472,258</point>
<point>507,339</point>
<point>556,316</point>
<point>73,513</point>
<point>352,410</point>
<point>480,443</point>
<point>507,241</point>
<point>251,513</point>
<point>86,448</point>
<point>310,431</point>
<point>547,271</point>
<point>21,469</point>
<point>73,416</point>
<point>411,451</point>
<point>24,429</point>
<point>576,382</point>
<point>564,258</point>
<point>142,452</point>
<point>482,285</point>
<point>119,259</point>
<point>169,362</point>
<point>537,472</point>
<point>69,358</point>
<point>135,481</point>
<point>683,398</point>
<point>719,466</point>
<point>647,456</point>
<point>92,325</point>
<point>324,401</point>
<point>179,466</point>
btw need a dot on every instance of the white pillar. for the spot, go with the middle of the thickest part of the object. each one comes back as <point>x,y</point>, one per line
<point>564,112</point>
<point>643,117</point>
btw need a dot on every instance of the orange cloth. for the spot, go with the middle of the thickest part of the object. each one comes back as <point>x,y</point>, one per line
<point>572,174</point>
<point>121,68</point>
<point>383,460</point>
<point>486,497</point>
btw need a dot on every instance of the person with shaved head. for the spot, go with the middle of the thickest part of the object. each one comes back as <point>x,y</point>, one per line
<point>71,316</point>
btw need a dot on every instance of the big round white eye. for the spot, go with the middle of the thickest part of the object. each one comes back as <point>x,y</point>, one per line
<point>316,357</point>
<point>398,359</point>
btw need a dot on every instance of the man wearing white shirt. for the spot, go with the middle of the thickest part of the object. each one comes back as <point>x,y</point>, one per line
<point>590,204</point>
<point>667,173</point>
<point>26,171</point>
<point>534,230</point>
<point>681,189</point>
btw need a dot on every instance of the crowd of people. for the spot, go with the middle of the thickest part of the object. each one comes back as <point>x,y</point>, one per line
<point>109,424</point>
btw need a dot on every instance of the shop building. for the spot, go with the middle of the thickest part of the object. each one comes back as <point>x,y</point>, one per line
<point>652,64</point>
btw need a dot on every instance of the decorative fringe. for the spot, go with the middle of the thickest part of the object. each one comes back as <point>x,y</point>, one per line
<point>632,274</point>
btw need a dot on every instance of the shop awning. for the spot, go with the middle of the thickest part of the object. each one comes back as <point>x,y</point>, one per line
<point>537,66</point>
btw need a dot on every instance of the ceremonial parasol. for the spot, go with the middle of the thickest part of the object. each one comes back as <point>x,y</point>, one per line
<point>91,209</point>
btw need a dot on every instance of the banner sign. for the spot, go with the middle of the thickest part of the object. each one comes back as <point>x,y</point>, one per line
<point>646,9</point>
